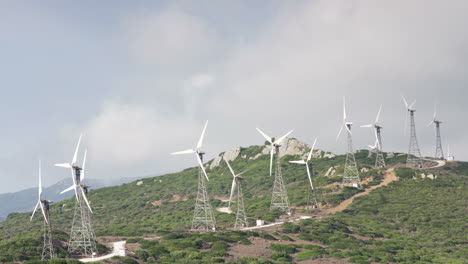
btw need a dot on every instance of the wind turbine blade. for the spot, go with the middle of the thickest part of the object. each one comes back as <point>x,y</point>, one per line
<point>230,168</point>
<point>64,165</point>
<point>344,108</point>
<point>411,105</point>
<point>298,162</point>
<point>201,165</point>
<point>406,103</point>
<point>271,159</point>
<point>74,182</point>
<point>233,186</point>
<point>265,135</point>
<point>40,181</point>
<point>200,141</point>
<point>43,212</point>
<point>188,151</point>
<point>76,151</point>
<point>283,137</point>
<point>339,133</point>
<point>370,125</point>
<point>430,123</point>
<point>406,122</point>
<point>84,165</point>
<point>67,190</point>
<point>378,115</point>
<point>86,199</point>
<point>312,150</point>
<point>310,178</point>
<point>35,209</point>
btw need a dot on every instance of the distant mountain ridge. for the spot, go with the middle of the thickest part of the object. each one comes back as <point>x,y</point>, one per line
<point>24,200</point>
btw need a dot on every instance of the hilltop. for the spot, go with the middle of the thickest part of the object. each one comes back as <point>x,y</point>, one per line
<point>406,212</point>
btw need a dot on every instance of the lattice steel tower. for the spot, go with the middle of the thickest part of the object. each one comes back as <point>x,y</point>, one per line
<point>379,159</point>
<point>48,251</point>
<point>414,159</point>
<point>279,196</point>
<point>241,216</point>
<point>82,238</point>
<point>351,173</point>
<point>203,218</point>
<point>439,152</point>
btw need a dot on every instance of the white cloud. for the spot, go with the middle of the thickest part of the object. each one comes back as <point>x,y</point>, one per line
<point>168,37</point>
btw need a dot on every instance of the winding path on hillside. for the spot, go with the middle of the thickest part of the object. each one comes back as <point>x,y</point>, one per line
<point>388,177</point>
<point>119,249</point>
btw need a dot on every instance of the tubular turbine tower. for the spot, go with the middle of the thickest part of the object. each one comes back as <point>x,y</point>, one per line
<point>203,217</point>
<point>48,251</point>
<point>351,173</point>
<point>82,238</point>
<point>414,159</point>
<point>279,196</point>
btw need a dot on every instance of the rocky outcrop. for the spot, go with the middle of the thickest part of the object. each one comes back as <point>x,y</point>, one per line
<point>229,155</point>
<point>390,155</point>
<point>329,155</point>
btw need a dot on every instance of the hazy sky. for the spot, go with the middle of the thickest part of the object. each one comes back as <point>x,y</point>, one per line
<point>139,78</point>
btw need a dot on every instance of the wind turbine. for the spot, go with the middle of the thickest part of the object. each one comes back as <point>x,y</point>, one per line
<point>48,251</point>
<point>82,237</point>
<point>414,154</point>
<point>197,151</point>
<point>203,218</point>
<point>77,175</point>
<point>274,145</point>
<point>377,148</point>
<point>241,217</point>
<point>351,173</point>
<point>279,197</point>
<point>306,163</point>
<point>439,153</point>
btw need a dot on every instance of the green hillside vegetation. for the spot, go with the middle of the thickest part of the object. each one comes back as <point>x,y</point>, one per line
<point>409,221</point>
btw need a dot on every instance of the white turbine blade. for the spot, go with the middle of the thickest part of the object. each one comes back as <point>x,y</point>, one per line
<point>230,168</point>
<point>339,133</point>
<point>43,212</point>
<point>40,181</point>
<point>201,165</point>
<point>344,108</point>
<point>371,147</point>
<point>64,165</point>
<point>67,190</point>
<point>271,159</point>
<point>430,123</point>
<point>86,199</point>
<point>76,151</point>
<point>310,178</point>
<point>241,173</point>
<point>35,209</point>
<point>283,137</point>
<point>406,123</point>
<point>378,115</point>
<point>411,105</point>
<point>406,103</point>
<point>233,186</point>
<point>265,135</point>
<point>298,162</point>
<point>84,165</point>
<point>370,125</point>
<point>312,150</point>
<point>200,141</point>
<point>448,150</point>
<point>188,151</point>
<point>74,182</point>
